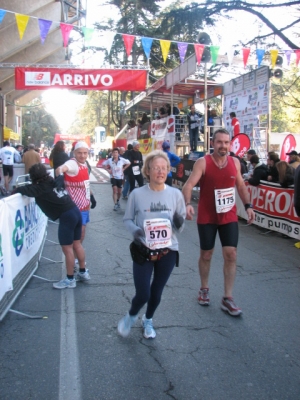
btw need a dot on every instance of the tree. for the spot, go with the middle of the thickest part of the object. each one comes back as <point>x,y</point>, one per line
<point>286,102</point>
<point>213,10</point>
<point>38,126</point>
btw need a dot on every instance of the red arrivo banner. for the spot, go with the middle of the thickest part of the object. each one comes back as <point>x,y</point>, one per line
<point>80,79</point>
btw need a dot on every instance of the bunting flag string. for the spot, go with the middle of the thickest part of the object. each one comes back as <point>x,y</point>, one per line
<point>260,55</point>
<point>274,55</point>
<point>199,48</point>
<point>22,21</point>
<point>147,44</point>
<point>182,48</point>
<point>246,52</point>
<point>44,26</point>
<point>165,46</point>
<point>128,42</point>
<point>108,37</point>
<point>2,15</point>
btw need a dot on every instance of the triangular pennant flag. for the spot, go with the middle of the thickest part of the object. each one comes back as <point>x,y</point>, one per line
<point>297,52</point>
<point>44,26</point>
<point>65,30</point>
<point>88,34</point>
<point>182,48</point>
<point>147,43</point>
<point>230,54</point>
<point>274,54</point>
<point>22,21</point>
<point>128,41</point>
<point>214,51</point>
<point>109,38</point>
<point>165,46</point>
<point>199,48</point>
<point>246,52</point>
<point>288,54</point>
<point>2,15</point>
<point>260,55</point>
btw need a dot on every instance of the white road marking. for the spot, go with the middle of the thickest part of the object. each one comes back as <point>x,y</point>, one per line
<point>69,370</point>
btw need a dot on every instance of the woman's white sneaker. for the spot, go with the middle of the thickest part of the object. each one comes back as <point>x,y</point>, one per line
<point>148,330</point>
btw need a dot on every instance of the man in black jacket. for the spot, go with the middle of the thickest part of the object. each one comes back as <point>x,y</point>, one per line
<point>135,170</point>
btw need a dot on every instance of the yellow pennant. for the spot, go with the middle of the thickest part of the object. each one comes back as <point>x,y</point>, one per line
<point>165,46</point>
<point>22,21</point>
<point>274,54</point>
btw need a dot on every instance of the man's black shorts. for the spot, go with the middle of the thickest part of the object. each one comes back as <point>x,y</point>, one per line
<point>116,182</point>
<point>8,170</point>
<point>228,234</point>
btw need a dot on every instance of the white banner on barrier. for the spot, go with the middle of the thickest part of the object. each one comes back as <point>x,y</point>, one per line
<point>26,225</point>
<point>5,260</point>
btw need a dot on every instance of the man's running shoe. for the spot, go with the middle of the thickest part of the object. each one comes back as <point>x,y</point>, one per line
<point>148,330</point>
<point>203,297</point>
<point>118,205</point>
<point>229,306</point>
<point>126,323</point>
<point>83,276</point>
<point>65,284</point>
<point>115,207</point>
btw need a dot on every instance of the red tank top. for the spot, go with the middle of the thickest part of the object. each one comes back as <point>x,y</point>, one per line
<point>215,178</point>
<point>78,187</point>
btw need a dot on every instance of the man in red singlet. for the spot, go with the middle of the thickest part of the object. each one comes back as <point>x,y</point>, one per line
<point>218,174</point>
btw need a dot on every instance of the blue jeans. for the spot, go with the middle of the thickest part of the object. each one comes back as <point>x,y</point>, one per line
<point>194,134</point>
<point>126,186</point>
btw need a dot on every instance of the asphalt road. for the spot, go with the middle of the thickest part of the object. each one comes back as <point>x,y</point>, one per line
<point>199,352</point>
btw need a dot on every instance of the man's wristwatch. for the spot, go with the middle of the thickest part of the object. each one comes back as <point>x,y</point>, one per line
<point>248,205</point>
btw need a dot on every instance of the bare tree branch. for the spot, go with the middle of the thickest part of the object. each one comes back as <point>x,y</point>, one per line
<point>211,8</point>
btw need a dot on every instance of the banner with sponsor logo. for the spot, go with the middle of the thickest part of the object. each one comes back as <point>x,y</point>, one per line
<point>248,104</point>
<point>274,208</point>
<point>83,79</point>
<point>289,144</point>
<point>25,225</point>
<point>240,144</point>
<point>5,261</point>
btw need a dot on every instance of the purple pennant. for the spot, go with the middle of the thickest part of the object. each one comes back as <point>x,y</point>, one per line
<point>260,55</point>
<point>44,26</point>
<point>182,48</point>
<point>288,54</point>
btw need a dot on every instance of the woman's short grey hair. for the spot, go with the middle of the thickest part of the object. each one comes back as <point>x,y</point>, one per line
<point>148,160</point>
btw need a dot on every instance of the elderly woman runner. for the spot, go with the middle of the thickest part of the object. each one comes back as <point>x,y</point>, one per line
<point>153,213</point>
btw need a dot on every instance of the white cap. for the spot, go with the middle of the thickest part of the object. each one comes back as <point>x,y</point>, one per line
<point>135,143</point>
<point>79,145</point>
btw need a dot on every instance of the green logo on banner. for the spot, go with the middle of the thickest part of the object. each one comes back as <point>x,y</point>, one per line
<point>18,234</point>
